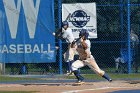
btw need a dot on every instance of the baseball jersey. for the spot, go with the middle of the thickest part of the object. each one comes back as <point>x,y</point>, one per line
<point>82,52</point>
<point>68,35</point>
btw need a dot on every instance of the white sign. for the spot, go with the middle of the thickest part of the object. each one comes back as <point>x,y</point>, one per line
<point>81,16</point>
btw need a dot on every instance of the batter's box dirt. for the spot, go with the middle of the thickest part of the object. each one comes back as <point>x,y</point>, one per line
<point>49,84</point>
<point>58,84</point>
<point>134,82</point>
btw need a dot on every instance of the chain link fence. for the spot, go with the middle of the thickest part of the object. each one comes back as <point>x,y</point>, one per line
<point>111,44</point>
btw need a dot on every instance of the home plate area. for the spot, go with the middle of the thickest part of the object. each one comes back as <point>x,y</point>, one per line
<point>87,87</point>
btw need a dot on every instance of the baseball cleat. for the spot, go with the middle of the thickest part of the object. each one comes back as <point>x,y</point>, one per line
<point>80,82</point>
<point>110,80</point>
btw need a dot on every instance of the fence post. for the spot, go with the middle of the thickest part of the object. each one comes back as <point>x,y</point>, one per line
<point>59,41</point>
<point>128,41</point>
<point>2,68</point>
<point>122,21</point>
<point>60,57</point>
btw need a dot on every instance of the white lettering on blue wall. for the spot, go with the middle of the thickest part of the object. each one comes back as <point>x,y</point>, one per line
<point>13,13</point>
<point>25,48</point>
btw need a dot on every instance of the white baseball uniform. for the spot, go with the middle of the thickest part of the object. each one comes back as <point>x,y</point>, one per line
<point>68,36</point>
<point>86,59</point>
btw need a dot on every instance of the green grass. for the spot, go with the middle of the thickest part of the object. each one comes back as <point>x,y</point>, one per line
<point>8,78</point>
<point>86,76</point>
<point>113,76</point>
<point>17,92</point>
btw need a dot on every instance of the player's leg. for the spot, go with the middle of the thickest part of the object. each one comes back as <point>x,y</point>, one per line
<point>69,70</point>
<point>93,65</point>
<point>66,55</point>
<point>75,66</point>
<point>69,57</point>
<point>68,67</point>
<point>117,67</point>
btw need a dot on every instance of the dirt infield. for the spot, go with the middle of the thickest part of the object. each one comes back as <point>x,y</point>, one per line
<point>92,87</point>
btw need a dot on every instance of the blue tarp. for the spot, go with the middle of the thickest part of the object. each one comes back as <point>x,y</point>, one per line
<point>26,28</point>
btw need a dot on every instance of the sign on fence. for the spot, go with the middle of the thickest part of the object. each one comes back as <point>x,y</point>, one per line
<point>81,16</point>
<point>26,28</point>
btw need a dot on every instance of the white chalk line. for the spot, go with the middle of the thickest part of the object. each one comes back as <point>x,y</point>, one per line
<point>76,91</point>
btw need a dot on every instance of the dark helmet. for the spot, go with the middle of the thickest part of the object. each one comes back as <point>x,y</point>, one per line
<point>84,32</point>
<point>65,23</point>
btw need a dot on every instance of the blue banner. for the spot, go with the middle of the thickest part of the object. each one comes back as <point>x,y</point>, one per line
<point>26,28</point>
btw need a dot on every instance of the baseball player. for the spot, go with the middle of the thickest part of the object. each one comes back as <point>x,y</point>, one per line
<point>118,60</point>
<point>83,49</point>
<point>135,47</point>
<point>68,36</point>
<point>66,33</point>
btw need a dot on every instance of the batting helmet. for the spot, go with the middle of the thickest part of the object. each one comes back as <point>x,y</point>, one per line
<point>65,23</point>
<point>84,32</point>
